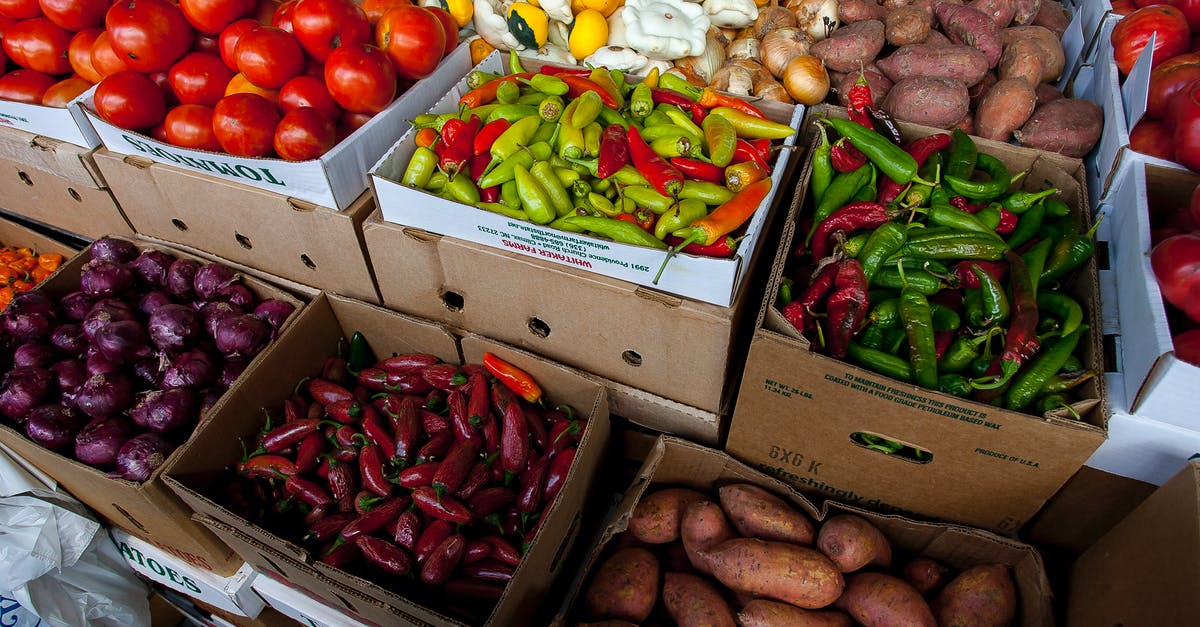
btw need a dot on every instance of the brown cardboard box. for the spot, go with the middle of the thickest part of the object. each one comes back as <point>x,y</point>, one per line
<point>56,183</point>
<point>680,463</point>
<point>1085,509</point>
<point>990,467</point>
<point>311,245</point>
<point>148,509</point>
<point>1147,569</point>
<point>14,234</point>
<point>194,471</point>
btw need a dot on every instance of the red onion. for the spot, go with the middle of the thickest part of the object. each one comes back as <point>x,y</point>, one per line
<point>172,327</point>
<point>241,337</point>
<point>166,410</point>
<point>213,312</point>
<point>148,371</point>
<point>141,456</point>
<point>96,363</point>
<point>52,426</point>
<point>98,443</point>
<point>180,277</point>
<point>239,295</point>
<point>208,399</point>
<point>70,374</point>
<point>105,394</point>
<point>212,278</point>
<point>103,313</point>
<point>22,389</point>
<point>190,369</point>
<point>29,316</point>
<point>274,312</point>
<point>230,372</point>
<point>34,354</point>
<point>152,300</point>
<point>76,305</point>
<point>123,341</point>
<point>69,339</point>
<point>32,302</point>
<point>151,267</point>
<point>104,278</point>
<point>113,249</point>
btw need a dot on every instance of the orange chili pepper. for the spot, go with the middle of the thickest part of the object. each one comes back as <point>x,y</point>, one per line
<point>722,221</point>
<point>711,99</point>
<point>486,92</point>
<point>25,252</point>
<point>27,263</point>
<point>22,285</point>
<point>6,296</point>
<point>39,274</point>
<point>50,261</point>
<point>513,378</point>
<point>426,137</point>
<point>8,255</point>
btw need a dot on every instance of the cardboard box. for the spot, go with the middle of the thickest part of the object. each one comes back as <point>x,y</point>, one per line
<point>717,281</point>
<point>302,606</point>
<point>17,235</point>
<point>1083,34</point>
<point>147,509</point>
<point>798,409</point>
<point>66,124</point>
<point>334,180</point>
<point>299,241</point>
<point>1100,82</point>
<point>680,463</point>
<point>232,594</point>
<point>1085,509</point>
<point>195,472</point>
<point>1146,570</point>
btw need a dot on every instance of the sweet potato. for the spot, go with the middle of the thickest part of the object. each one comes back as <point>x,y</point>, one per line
<point>850,11</point>
<point>852,542</point>
<point>608,623</point>
<point>703,526</point>
<point>966,125</point>
<point>656,518</point>
<point>961,63</point>
<point>879,84</point>
<point>1007,105</point>
<point>625,587</point>
<point>757,513</point>
<point>1022,59</point>
<point>965,25</point>
<point>879,600</point>
<point>1053,59</point>
<point>850,46</point>
<point>906,25</point>
<point>981,596</point>
<point>1070,126</point>
<point>937,39</point>
<point>693,602</point>
<point>1054,16</point>
<point>891,5</point>
<point>938,102</point>
<point>926,574</point>
<point>1047,93</point>
<point>778,570</point>
<point>764,613</point>
<point>1025,10</point>
<point>980,89</point>
<point>1001,11</point>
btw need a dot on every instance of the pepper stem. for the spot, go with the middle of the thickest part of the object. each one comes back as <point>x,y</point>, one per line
<point>692,238</point>
<point>1092,231</point>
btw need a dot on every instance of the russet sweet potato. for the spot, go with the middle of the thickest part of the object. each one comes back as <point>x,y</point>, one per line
<point>765,613</point>
<point>980,596</point>
<point>980,89</point>
<point>879,600</point>
<point>1001,11</point>
<point>778,570</point>
<point>850,11</point>
<point>1053,16</point>
<point>965,25</point>
<point>906,25</point>
<point>852,542</point>
<point>850,46</point>
<point>757,513</point>
<point>1051,50</point>
<point>961,63</point>
<point>693,602</point>
<point>937,102</point>
<point>703,526</point>
<point>656,517</point>
<point>1070,126</point>
<point>1047,93</point>
<point>1025,10</point>
<point>1022,59</point>
<point>1007,105</point>
<point>625,587</point>
<point>926,574</point>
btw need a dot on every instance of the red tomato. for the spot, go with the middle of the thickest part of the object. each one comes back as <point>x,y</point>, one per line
<point>64,91</point>
<point>245,125</point>
<point>207,43</point>
<point>199,78</point>
<point>1131,34</point>
<point>449,26</point>
<point>106,60</point>
<point>1176,263</point>
<point>159,132</point>
<point>20,9</point>
<point>413,38</point>
<point>1168,79</point>
<point>75,15</point>
<point>191,126</point>
<point>360,78</point>
<point>306,91</point>
<point>1150,137</point>
<point>149,34</point>
<point>269,57</point>
<point>351,122</point>
<point>282,18</point>
<point>38,44</point>
<point>25,86</point>
<point>1187,346</point>
<point>1190,10</point>
<point>322,25</point>
<point>1183,123</point>
<point>230,37</point>
<point>163,81</point>
<point>239,84</point>
<point>376,8</point>
<point>130,100</point>
<point>264,11</point>
<point>79,53</point>
<point>211,16</point>
<point>304,134</point>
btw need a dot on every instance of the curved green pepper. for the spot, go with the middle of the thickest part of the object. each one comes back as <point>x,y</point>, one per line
<point>682,216</point>
<point>616,230</point>
<point>533,198</point>
<point>999,181</point>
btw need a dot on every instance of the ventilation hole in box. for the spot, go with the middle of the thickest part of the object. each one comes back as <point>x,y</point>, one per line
<point>243,240</point>
<point>74,194</point>
<point>632,358</point>
<point>538,327</point>
<point>453,301</point>
<point>308,262</point>
<point>179,224</point>
<point>1102,256</point>
<point>1109,344</point>
<point>130,518</point>
<point>349,605</point>
<point>271,562</point>
<point>24,178</point>
<point>886,445</point>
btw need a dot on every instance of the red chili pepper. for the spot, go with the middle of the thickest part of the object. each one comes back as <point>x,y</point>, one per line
<point>347,436</point>
<point>966,278</point>
<point>476,550</point>
<point>316,410</point>
<point>920,149</point>
<point>1021,341</point>
<point>445,507</point>
<point>847,306</point>
<point>308,452</point>
<point>697,170</point>
<point>408,529</point>
<point>402,411</point>
<point>513,378</point>
<point>1008,222</point>
<point>614,151</point>
<point>503,551</point>
<point>433,535</point>
<point>698,113</point>
<point>725,247</point>
<point>433,423</point>
<point>711,99</point>
<point>491,433</point>
<point>941,341</point>
<point>408,363</point>
<point>435,449</point>
<point>554,70</point>
<point>799,311</point>
<point>514,431</point>
<point>366,501</point>
<point>959,202</point>
<point>490,500</point>
<point>486,137</point>
<point>576,85</point>
<point>376,432</point>
<point>533,481</point>
<point>454,469</point>
<point>671,97</point>
<point>326,392</point>
<point>288,434</point>
<point>488,570</point>
<point>267,467</point>
<point>846,158</point>
<point>511,522</point>
<point>564,435</point>
<point>745,151</point>
<point>381,380</point>
<point>451,130</point>
<point>763,146</point>
<point>852,217</point>
<point>859,96</point>
<point>345,454</point>
<point>459,417</point>
<point>419,475</point>
<point>340,554</point>
<point>537,429</point>
<point>443,560</point>
<point>345,412</point>
<point>476,479</point>
<point>665,178</point>
<point>480,163</point>
<point>644,218</point>
<point>556,476</point>
<point>342,486</point>
<point>441,376</point>
<point>370,466</point>
<point>478,401</point>
<point>473,590</point>
<point>295,408</point>
<point>306,491</point>
<point>387,556</point>
<point>328,527</point>
<point>375,519</point>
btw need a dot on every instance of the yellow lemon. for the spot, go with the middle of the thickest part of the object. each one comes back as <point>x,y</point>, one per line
<point>588,34</point>
<point>528,24</point>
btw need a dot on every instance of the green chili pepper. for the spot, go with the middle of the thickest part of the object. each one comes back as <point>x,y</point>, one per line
<point>506,171</point>
<point>617,230</point>
<point>853,246</point>
<point>917,318</point>
<point>603,205</point>
<point>960,245</point>
<point>674,132</point>
<point>546,132</point>
<point>509,194</point>
<point>534,98</point>
<point>1073,365</point>
<point>514,63</point>
<point>989,216</point>
<point>872,337</point>
<point>1066,382</point>
<point>954,385</point>
<point>420,168</point>
<point>995,301</point>
<point>591,138</point>
<point>570,142</point>
<point>641,103</point>
<point>944,215</point>
<point>609,116</point>
<point>883,242</point>
<point>649,198</point>
<point>919,280</point>
<point>437,182</point>
<point>566,177</point>
<point>821,168</point>
<point>681,216</point>
<point>359,355</point>
<point>679,85</point>
<point>880,361</point>
<point>944,318</point>
<point>515,137</point>
<point>785,292</point>
<point>1035,260</point>
<point>1056,208</point>
<point>462,189</point>
<point>544,174</point>
<point>962,351</point>
<point>893,339</point>
<point>513,112</point>
<point>1062,307</point>
<point>720,138</point>
<point>1048,361</point>
<point>868,192</point>
<point>973,304</point>
<point>618,79</point>
<point>1069,253</point>
<point>982,190</point>
<point>657,118</point>
<point>963,154</point>
<point>547,84</point>
<point>844,186</point>
<point>668,147</point>
<point>561,225</point>
<point>625,204</point>
<point>509,212</point>
<point>1027,226</point>
<point>550,108</point>
<point>896,164</point>
<point>508,92</point>
<point>709,193</point>
<point>753,127</point>
<point>886,314</point>
<point>681,119</point>
<point>587,109</point>
<point>533,198</point>
<point>1050,402</point>
<point>912,264</point>
<point>1019,202</point>
<point>602,185</point>
<point>425,120</point>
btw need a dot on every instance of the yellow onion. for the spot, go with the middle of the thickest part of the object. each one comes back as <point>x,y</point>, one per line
<point>781,46</point>
<point>708,61</point>
<point>744,48</point>
<point>772,18</point>
<point>817,18</point>
<point>806,80</point>
<point>770,89</point>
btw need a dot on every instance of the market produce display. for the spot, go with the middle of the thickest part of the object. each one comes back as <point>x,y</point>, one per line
<point>118,373</point>
<point>22,269</point>
<point>746,557</point>
<point>1175,258</point>
<point>409,466</point>
<point>50,44</point>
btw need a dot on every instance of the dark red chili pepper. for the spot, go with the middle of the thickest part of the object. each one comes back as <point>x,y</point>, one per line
<point>959,202</point>
<point>537,428</point>
<point>316,410</point>
<point>334,369</point>
<point>477,477</point>
<point>564,435</point>
<point>846,158</point>
<point>370,466</point>
<point>478,402</point>
<point>533,480</point>
<point>723,248</point>
<point>407,530</point>
<point>434,534</point>
<point>326,392</point>
<point>451,129</point>
<point>852,217</point>
<point>847,306</point>
<point>671,97</point>
<point>345,412</point>
<point>555,70</point>
<point>454,469</point>
<point>487,136</point>
<point>503,551</point>
<point>408,363</point>
<point>514,431</point>
<point>402,411</point>
<point>698,170</point>
<point>435,449</point>
<point>920,149</point>
<point>417,476</point>
<point>488,570</point>
<point>799,311</point>
<point>308,452</point>
<point>267,467</point>
<point>475,590</point>
<point>1021,342</point>
<point>317,513</point>
<point>480,163</point>
<point>323,466</point>
<point>491,434</point>
<point>941,341</point>
<point>366,501</point>
<point>340,554</point>
<point>377,433</point>
<point>445,507</point>
<point>443,560</point>
<point>560,465</point>
<point>882,122</point>
<point>1008,222</point>
<point>375,519</point>
<point>745,151</point>
<point>476,550</point>
<point>577,84</point>
<point>490,194</point>
<point>288,434</point>
<point>433,424</point>
<point>440,376</point>
<point>614,151</point>
<point>328,527</point>
<point>346,436</point>
<point>665,178</point>
<point>295,408</point>
<point>306,491</point>
<point>470,370</point>
<point>342,486</point>
<point>858,99</point>
<point>387,556</point>
<point>345,454</point>
<point>698,113</point>
<point>511,522</point>
<point>460,420</point>
<point>966,278</point>
<point>491,499</point>
<point>381,380</point>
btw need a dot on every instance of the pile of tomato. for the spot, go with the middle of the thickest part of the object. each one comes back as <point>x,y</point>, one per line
<point>46,42</point>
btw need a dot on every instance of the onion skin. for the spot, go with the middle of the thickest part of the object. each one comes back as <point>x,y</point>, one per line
<point>114,250</point>
<point>173,327</point>
<point>274,312</point>
<point>98,443</point>
<point>23,389</point>
<point>181,277</point>
<point>806,80</point>
<point>141,456</point>
<point>102,278</point>
<point>52,426</point>
<point>211,278</point>
<point>76,305</point>
<point>105,395</point>
<point>151,267</point>
<point>191,369</point>
<point>241,337</point>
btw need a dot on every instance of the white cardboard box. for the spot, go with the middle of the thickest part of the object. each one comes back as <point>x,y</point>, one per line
<point>232,594</point>
<point>335,180</point>
<point>64,124</point>
<point>705,279</point>
<point>301,606</point>
<point>1142,448</point>
<point>1080,40</point>
<point>1100,82</point>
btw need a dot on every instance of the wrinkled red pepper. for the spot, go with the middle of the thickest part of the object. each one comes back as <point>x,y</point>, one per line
<point>846,158</point>
<point>920,149</point>
<point>852,217</point>
<point>847,306</point>
<point>699,170</point>
<point>665,178</point>
<point>614,151</point>
<point>799,311</point>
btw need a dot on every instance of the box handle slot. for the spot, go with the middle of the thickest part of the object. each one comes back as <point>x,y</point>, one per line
<point>538,327</point>
<point>243,240</point>
<point>74,194</point>
<point>452,300</point>
<point>308,262</point>
<point>24,178</point>
<point>179,224</point>
<point>632,357</point>
<point>130,518</point>
<point>1108,344</point>
<point>1101,255</point>
<point>890,446</point>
